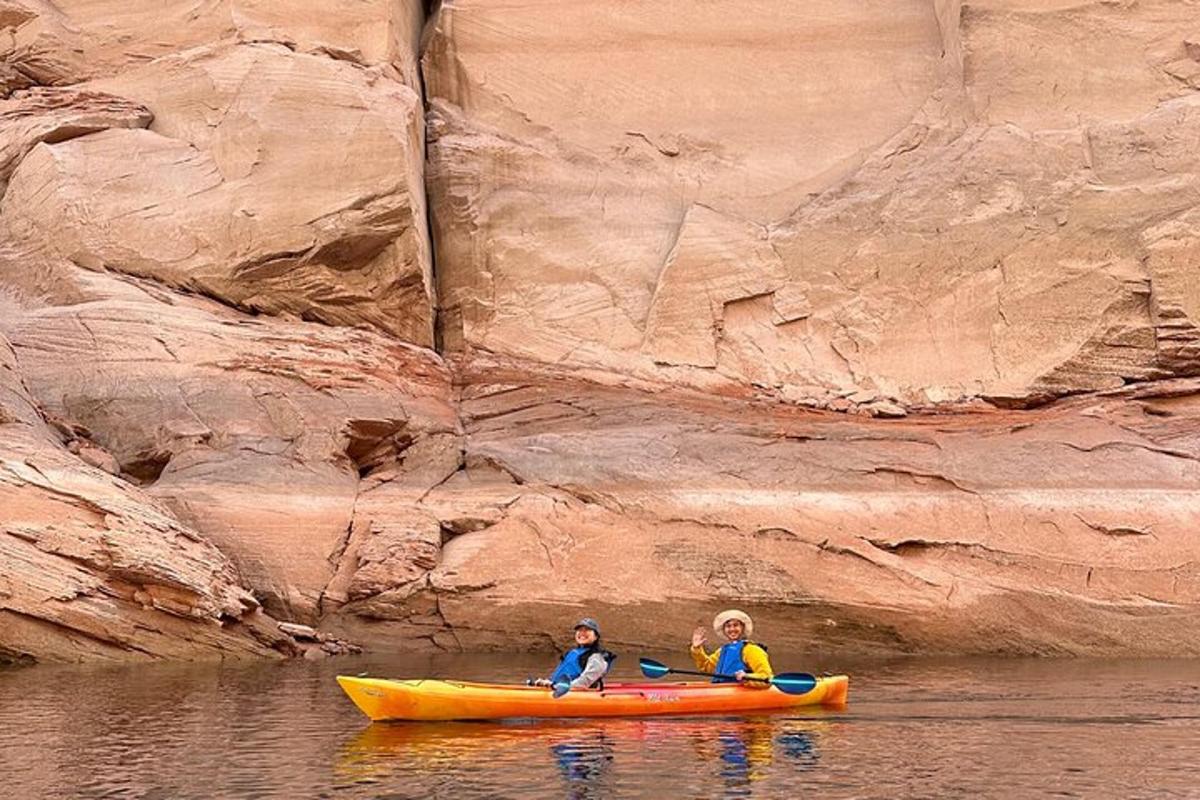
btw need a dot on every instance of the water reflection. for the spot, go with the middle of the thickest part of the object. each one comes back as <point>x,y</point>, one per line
<point>584,763</point>
<point>725,756</point>
<point>988,729</point>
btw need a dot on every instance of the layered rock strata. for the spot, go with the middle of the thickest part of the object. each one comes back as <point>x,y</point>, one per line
<point>878,319</point>
<point>92,567</point>
<point>1066,530</point>
<point>833,202</point>
<point>255,431</point>
<point>268,160</point>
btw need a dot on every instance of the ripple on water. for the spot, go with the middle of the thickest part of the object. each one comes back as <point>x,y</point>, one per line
<point>914,728</point>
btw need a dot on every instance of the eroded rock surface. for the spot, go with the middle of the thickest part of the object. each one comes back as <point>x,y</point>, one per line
<point>979,227</point>
<point>880,319</point>
<point>93,568</point>
<point>68,41</point>
<point>225,203</point>
<point>271,159</point>
<point>1067,530</point>
<point>254,431</point>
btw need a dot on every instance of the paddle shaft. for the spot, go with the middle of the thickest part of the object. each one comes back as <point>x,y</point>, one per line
<point>715,675</point>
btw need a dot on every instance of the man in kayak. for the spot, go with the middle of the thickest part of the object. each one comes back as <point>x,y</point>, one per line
<point>738,657</point>
<point>584,666</point>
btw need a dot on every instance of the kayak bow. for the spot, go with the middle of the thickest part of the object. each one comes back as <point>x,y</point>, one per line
<point>430,699</point>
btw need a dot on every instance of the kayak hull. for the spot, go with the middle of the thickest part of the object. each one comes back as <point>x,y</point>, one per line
<point>429,699</point>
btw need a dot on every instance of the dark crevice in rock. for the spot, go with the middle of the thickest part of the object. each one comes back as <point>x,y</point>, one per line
<point>915,547</point>
<point>453,527</point>
<point>1116,530</point>
<point>779,534</point>
<point>460,466</point>
<point>906,547</point>
<point>431,7</point>
<point>588,497</point>
<point>828,546</point>
<point>352,57</point>
<point>339,551</point>
<point>919,477</point>
<point>15,658</point>
<point>146,467</point>
<point>1166,451</point>
<point>477,461</point>
<point>374,443</point>
<point>1025,402</point>
<point>335,559</point>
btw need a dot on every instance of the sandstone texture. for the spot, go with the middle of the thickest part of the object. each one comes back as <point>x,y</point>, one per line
<point>946,202</point>
<point>433,325</point>
<point>92,567</point>
<point>1065,530</point>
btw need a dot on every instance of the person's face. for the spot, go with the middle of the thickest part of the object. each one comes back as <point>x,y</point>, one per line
<point>733,629</point>
<point>584,636</point>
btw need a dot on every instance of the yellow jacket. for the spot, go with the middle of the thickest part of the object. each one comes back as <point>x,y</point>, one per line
<point>754,656</point>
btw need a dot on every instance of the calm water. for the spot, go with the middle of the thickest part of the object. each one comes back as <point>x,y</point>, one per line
<point>913,729</point>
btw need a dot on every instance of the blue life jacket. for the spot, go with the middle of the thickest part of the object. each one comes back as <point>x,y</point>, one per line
<point>573,663</point>
<point>729,660</point>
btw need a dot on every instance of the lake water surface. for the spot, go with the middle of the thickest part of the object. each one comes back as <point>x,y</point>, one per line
<point>914,728</point>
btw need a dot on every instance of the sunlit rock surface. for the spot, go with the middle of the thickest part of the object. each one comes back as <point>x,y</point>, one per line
<point>254,431</point>
<point>924,203</point>
<point>433,325</point>
<point>1066,530</point>
<point>94,568</point>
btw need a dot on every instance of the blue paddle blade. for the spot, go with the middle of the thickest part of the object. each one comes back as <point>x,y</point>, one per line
<point>560,689</point>
<point>794,682</point>
<point>653,669</point>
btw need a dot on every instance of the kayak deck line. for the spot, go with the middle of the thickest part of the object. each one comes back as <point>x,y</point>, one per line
<point>437,699</point>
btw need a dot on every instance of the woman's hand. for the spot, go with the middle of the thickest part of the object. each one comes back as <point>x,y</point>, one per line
<point>740,675</point>
<point>699,637</point>
<point>542,682</point>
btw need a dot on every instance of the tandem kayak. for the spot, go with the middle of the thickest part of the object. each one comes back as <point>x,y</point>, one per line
<point>430,699</point>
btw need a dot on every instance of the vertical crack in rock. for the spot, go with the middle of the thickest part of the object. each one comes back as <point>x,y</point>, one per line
<point>431,9</point>
<point>338,554</point>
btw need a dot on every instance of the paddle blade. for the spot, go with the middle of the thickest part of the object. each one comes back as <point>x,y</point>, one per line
<point>652,668</point>
<point>794,682</point>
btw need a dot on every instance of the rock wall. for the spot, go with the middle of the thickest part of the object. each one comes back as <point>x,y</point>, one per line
<point>436,324</point>
<point>215,278</point>
<point>92,567</point>
<point>1063,530</point>
<point>828,201</point>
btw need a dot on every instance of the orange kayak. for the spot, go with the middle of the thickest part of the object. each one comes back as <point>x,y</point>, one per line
<point>430,699</point>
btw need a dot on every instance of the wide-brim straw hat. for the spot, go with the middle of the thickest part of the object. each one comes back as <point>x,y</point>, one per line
<point>720,620</point>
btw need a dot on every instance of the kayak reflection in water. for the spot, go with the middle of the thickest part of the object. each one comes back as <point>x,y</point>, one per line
<point>583,762</point>
<point>585,665</point>
<point>746,751</point>
<point>731,757</point>
<point>738,656</point>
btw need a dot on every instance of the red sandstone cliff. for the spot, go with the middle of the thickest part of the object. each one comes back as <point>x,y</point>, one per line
<point>433,326</point>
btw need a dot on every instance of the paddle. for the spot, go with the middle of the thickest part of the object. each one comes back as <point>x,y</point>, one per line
<point>559,689</point>
<point>789,682</point>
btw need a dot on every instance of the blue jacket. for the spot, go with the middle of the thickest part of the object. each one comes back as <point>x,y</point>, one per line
<point>729,659</point>
<point>574,661</point>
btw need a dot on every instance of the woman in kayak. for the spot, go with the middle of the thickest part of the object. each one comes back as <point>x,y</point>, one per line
<point>584,666</point>
<point>738,657</point>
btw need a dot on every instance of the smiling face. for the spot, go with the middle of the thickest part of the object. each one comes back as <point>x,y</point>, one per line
<point>733,629</point>
<point>584,636</point>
